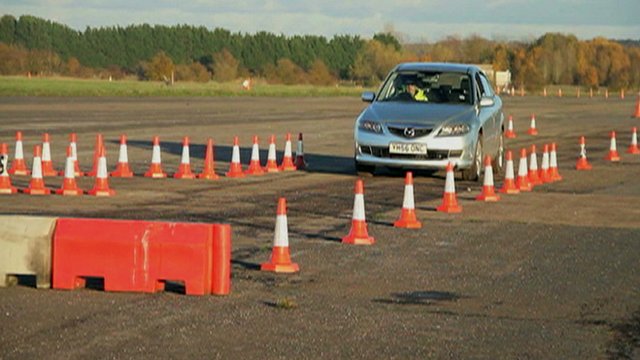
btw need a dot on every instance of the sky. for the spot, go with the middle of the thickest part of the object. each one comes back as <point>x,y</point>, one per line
<point>414,20</point>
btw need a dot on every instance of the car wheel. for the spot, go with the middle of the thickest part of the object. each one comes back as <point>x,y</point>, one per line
<point>498,160</point>
<point>364,170</point>
<point>473,173</point>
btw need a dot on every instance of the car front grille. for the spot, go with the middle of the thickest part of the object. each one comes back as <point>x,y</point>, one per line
<point>409,132</point>
<point>383,152</point>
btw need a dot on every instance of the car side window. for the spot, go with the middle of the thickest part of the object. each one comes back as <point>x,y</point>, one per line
<point>487,90</point>
<point>479,88</point>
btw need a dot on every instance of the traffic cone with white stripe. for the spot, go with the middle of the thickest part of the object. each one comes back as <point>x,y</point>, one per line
<point>532,127</point>
<point>510,134</point>
<point>155,169</point>
<point>101,186</point>
<point>522,182</point>
<point>633,148</point>
<point>408,215</point>
<point>534,175</point>
<point>280,261</point>
<point>47,164</point>
<point>73,143</point>
<point>5,180</point>
<point>184,170</point>
<point>613,155</point>
<point>122,169</point>
<point>254,166</point>
<point>272,165</point>
<point>18,165</point>
<point>287,160</point>
<point>209,170</point>
<point>300,163</point>
<point>554,174</point>
<point>449,199</point>
<point>488,190</point>
<point>636,113</point>
<point>509,184</point>
<point>358,235</point>
<point>543,173</point>
<point>583,163</point>
<point>36,185</point>
<point>96,155</point>
<point>69,184</point>
<point>235,168</point>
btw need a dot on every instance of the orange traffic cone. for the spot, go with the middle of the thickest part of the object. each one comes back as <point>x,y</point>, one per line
<point>613,150</point>
<point>101,186</point>
<point>522,182</point>
<point>534,177</point>
<point>272,165</point>
<point>449,200</point>
<point>510,134</point>
<point>184,170</point>
<point>633,148</point>
<point>235,168</point>
<point>543,173</point>
<point>47,164</point>
<point>636,114</point>
<point>300,163</point>
<point>73,142</point>
<point>69,185</point>
<point>287,160</point>
<point>155,169</point>
<point>18,166</point>
<point>532,128</point>
<point>488,190</point>
<point>254,166</point>
<point>408,215</point>
<point>122,169</point>
<point>280,261</point>
<point>358,235</point>
<point>554,174</point>
<point>209,170</point>
<point>583,163</point>
<point>5,180</point>
<point>96,154</point>
<point>509,185</point>
<point>36,185</point>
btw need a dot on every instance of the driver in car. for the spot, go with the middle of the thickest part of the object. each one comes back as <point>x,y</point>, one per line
<point>416,92</point>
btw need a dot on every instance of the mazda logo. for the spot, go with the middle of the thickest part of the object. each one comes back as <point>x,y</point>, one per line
<point>409,132</point>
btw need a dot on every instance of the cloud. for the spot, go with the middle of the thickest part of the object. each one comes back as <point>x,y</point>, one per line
<point>419,19</point>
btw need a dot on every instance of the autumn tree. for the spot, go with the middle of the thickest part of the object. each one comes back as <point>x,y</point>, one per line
<point>225,66</point>
<point>159,68</point>
<point>374,62</point>
<point>319,74</point>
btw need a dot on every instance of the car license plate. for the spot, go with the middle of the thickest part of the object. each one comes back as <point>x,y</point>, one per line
<point>403,148</point>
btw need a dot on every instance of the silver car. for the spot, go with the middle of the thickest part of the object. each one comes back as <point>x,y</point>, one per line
<point>428,114</point>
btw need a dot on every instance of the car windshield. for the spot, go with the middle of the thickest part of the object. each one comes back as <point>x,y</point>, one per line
<point>427,87</point>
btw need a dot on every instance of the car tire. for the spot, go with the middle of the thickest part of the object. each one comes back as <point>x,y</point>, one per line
<point>364,170</point>
<point>498,160</point>
<point>473,173</point>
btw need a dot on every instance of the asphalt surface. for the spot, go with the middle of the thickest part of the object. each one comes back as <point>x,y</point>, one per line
<point>548,274</point>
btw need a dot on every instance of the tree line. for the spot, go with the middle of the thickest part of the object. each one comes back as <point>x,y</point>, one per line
<point>39,46</point>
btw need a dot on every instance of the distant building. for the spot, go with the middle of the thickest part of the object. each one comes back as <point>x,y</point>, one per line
<point>500,79</point>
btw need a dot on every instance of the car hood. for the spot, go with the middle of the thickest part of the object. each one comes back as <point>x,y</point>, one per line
<point>417,113</point>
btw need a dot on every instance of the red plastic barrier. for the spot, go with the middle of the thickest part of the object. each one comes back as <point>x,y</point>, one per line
<point>140,256</point>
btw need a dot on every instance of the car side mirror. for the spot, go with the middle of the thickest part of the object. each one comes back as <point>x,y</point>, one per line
<point>368,96</point>
<point>487,101</point>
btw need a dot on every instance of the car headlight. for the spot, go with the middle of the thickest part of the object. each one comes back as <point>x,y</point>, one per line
<point>454,130</point>
<point>369,125</point>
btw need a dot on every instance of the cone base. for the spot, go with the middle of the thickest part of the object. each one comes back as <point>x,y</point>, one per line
<point>613,157</point>
<point>19,172</point>
<point>49,173</point>
<point>101,192</point>
<point>155,175</point>
<point>488,197</point>
<point>280,268</point>
<point>408,224</point>
<point>255,169</point>
<point>69,192</point>
<point>8,190</point>
<point>234,174</point>
<point>184,176</point>
<point>121,174</point>
<point>31,191</point>
<point>532,132</point>
<point>208,176</point>
<point>300,163</point>
<point>582,164</point>
<point>510,135</point>
<point>288,168</point>
<point>271,169</point>
<point>535,180</point>
<point>633,150</point>
<point>358,240</point>
<point>509,190</point>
